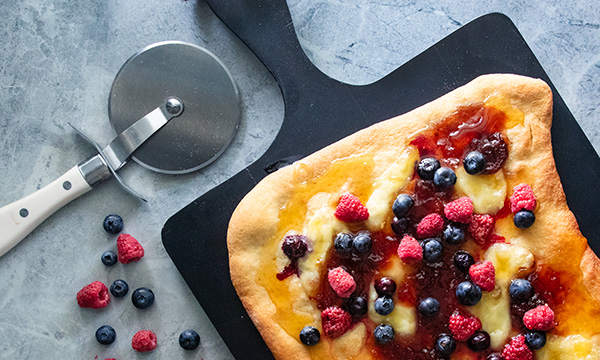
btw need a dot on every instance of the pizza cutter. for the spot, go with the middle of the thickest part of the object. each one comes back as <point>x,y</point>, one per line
<point>174,107</point>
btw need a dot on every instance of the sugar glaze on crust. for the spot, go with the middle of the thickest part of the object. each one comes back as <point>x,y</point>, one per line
<point>287,199</point>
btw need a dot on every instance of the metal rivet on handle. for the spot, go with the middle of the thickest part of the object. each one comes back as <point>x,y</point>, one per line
<point>23,212</point>
<point>67,185</point>
<point>173,106</point>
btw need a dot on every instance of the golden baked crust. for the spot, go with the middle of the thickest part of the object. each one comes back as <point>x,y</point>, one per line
<point>288,199</point>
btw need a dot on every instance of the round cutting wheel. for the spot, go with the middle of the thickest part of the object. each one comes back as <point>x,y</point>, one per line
<point>210,99</point>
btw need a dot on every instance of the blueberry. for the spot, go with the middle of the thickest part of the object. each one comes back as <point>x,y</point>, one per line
<point>463,261</point>
<point>444,178</point>
<point>363,242</point>
<point>344,243</point>
<point>524,219</point>
<point>294,246</point>
<point>189,339</point>
<point>384,305</point>
<point>402,204</point>
<point>106,335</point>
<point>432,250</point>
<point>399,225</point>
<point>109,258</point>
<point>113,224</point>
<point>468,293</point>
<point>142,298</point>
<point>494,356</point>
<point>429,307</point>
<point>535,339</point>
<point>479,341</point>
<point>520,290</point>
<point>385,286</point>
<point>427,168</point>
<point>119,288</point>
<point>310,336</point>
<point>384,334</point>
<point>453,234</point>
<point>445,345</point>
<point>474,163</point>
<point>357,306</point>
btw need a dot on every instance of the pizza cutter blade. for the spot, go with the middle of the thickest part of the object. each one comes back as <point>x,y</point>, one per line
<point>174,107</point>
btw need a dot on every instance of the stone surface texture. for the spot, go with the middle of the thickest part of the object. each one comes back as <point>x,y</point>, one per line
<point>57,62</point>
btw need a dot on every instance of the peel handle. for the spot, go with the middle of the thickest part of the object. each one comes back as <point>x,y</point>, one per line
<point>18,219</point>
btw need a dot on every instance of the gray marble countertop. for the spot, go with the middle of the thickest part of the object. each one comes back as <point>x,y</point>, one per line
<point>57,63</point>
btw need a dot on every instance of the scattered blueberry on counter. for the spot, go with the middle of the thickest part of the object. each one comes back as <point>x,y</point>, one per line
<point>106,335</point>
<point>310,336</point>
<point>189,339</point>
<point>109,258</point>
<point>119,288</point>
<point>142,298</point>
<point>113,224</point>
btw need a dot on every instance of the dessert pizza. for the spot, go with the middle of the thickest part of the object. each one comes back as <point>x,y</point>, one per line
<point>441,233</point>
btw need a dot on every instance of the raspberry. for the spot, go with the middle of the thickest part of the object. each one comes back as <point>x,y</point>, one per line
<point>459,210</point>
<point>522,198</point>
<point>350,209</point>
<point>484,275</point>
<point>430,225</point>
<point>335,321</point>
<point>517,349</point>
<point>341,282</point>
<point>129,248</point>
<point>462,328</point>
<point>410,251</point>
<point>143,341</point>
<point>94,295</point>
<point>481,228</point>
<point>539,318</point>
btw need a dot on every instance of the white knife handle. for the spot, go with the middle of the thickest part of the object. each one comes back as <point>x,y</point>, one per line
<point>18,219</point>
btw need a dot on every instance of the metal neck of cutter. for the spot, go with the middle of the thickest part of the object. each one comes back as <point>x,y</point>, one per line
<point>112,157</point>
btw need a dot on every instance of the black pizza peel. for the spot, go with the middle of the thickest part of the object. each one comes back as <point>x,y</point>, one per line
<point>174,107</point>
<point>320,110</point>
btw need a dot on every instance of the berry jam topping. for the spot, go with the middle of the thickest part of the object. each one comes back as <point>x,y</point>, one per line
<point>294,246</point>
<point>463,261</point>
<point>494,151</point>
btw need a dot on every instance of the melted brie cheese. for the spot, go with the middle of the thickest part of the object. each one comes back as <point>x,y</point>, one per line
<point>386,187</point>
<point>573,347</point>
<point>494,308</point>
<point>486,191</point>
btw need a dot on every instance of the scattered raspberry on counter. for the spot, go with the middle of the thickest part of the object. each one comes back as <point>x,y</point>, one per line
<point>409,250</point>
<point>539,318</point>
<point>335,321</point>
<point>430,226</point>
<point>144,341</point>
<point>341,282</point>
<point>522,198</point>
<point>459,210</point>
<point>481,228</point>
<point>484,275</point>
<point>94,295</point>
<point>517,349</point>
<point>129,249</point>
<point>462,328</point>
<point>350,209</point>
